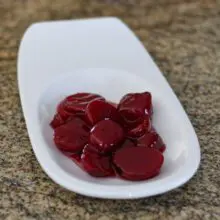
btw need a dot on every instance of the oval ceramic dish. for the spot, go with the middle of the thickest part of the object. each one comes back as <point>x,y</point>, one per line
<point>101,56</point>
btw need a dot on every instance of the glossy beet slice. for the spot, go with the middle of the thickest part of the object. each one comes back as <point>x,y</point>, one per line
<point>138,163</point>
<point>62,115</point>
<point>76,158</point>
<point>57,121</point>
<point>79,96</point>
<point>73,105</point>
<point>128,143</point>
<point>153,140</point>
<point>76,104</point>
<point>113,104</point>
<point>75,108</point>
<point>140,129</point>
<point>95,164</point>
<point>71,136</point>
<point>98,110</point>
<point>62,112</point>
<point>106,135</point>
<point>83,97</point>
<point>134,106</point>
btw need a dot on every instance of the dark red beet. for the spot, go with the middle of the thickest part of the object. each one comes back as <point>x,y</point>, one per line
<point>83,97</point>
<point>71,136</point>
<point>57,121</point>
<point>76,104</point>
<point>138,163</point>
<point>128,143</point>
<point>134,106</point>
<point>64,114</point>
<point>95,164</point>
<point>153,140</point>
<point>106,135</point>
<point>141,128</point>
<point>76,158</point>
<point>113,104</point>
<point>73,105</point>
<point>75,108</point>
<point>98,110</point>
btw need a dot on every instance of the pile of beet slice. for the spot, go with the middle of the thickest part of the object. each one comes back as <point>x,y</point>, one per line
<point>106,139</point>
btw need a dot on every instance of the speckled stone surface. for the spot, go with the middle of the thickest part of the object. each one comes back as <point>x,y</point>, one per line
<point>183,36</point>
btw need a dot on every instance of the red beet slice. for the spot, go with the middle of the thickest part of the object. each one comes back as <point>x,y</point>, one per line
<point>138,163</point>
<point>95,164</point>
<point>141,128</point>
<point>106,135</point>
<point>98,110</point>
<point>128,143</point>
<point>73,105</point>
<point>71,136</point>
<point>113,104</point>
<point>83,97</point>
<point>134,106</point>
<point>153,140</point>
<point>57,121</point>
<point>76,158</point>
<point>76,104</point>
<point>62,112</point>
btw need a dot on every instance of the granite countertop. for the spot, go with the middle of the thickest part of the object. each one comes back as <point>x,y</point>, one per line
<point>183,36</point>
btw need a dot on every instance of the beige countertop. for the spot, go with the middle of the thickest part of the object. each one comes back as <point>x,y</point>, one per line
<point>183,36</point>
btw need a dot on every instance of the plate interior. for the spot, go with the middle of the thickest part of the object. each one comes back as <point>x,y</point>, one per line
<point>113,84</point>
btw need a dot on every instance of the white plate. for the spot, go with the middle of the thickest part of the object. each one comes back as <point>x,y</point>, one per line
<point>101,56</point>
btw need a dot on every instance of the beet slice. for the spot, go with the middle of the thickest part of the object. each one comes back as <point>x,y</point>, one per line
<point>62,116</point>
<point>76,104</point>
<point>73,105</point>
<point>95,164</point>
<point>62,112</point>
<point>138,163</point>
<point>139,130</point>
<point>76,158</point>
<point>56,121</point>
<point>134,106</point>
<point>106,135</point>
<point>83,97</point>
<point>113,104</point>
<point>75,108</point>
<point>71,136</point>
<point>128,143</point>
<point>98,110</point>
<point>153,140</point>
